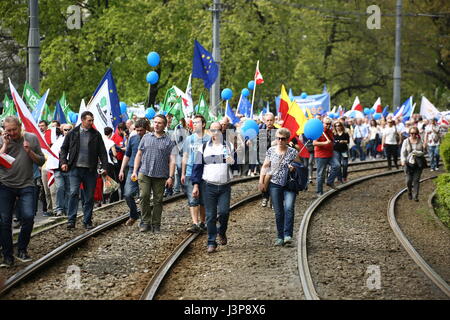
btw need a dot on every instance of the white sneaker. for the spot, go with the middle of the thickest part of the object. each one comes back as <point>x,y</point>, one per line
<point>264,202</point>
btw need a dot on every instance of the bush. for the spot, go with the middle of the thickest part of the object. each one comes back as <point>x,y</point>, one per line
<point>443,198</point>
<point>444,151</point>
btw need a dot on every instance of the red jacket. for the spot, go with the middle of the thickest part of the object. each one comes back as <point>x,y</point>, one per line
<point>325,151</point>
<point>118,140</point>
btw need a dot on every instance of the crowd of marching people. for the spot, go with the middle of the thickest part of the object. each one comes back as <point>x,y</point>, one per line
<point>143,161</point>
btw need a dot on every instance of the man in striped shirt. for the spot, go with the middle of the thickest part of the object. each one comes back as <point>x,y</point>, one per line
<point>154,167</point>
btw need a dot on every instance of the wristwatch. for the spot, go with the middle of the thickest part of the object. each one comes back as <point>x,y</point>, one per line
<point>172,177</point>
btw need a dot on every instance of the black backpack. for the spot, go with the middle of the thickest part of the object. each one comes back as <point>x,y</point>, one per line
<point>298,178</point>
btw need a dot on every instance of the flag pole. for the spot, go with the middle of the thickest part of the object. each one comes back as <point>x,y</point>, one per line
<point>237,108</point>
<point>254,90</point>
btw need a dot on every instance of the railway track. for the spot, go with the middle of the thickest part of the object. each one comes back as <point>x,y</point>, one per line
<point>152,291</point>
<point>49,257</point>
<point>43,262</point>
<point>361,260</point>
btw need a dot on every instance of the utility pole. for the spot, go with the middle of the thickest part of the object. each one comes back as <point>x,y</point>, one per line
<point>33,45</point>
<point>215,89</point>
<point>398,41</point>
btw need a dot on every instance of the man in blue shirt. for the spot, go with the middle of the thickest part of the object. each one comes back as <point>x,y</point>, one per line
<point>132,187</point>
<point>191,145</point>
<point>360,134</point>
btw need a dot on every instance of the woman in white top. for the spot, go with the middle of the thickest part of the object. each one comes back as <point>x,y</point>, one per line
<point>390,143</point>
<point>374,138</point>
<point>413,160</point>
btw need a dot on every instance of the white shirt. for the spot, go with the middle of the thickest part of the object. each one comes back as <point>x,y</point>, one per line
<point>218,172</point>
<point>389,134</point>
<point>52,162</point>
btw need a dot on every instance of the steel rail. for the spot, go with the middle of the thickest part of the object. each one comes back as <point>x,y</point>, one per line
<point>426,268</point>
<point>155,282</point>
<point>77,241</point>
<point>302,254</point>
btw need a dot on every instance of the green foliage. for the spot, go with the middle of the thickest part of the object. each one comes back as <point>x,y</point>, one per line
<point>443,197</point>
<point>444,151</point>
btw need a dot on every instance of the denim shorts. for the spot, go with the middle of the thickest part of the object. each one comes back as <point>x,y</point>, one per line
<point>188,187</point>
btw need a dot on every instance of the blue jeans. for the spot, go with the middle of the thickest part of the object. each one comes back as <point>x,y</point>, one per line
<point>131,190</point>
<point>62,183</point>
<point>284,204</point>
<point>217,207</point>
<point>434,156</point>
<point>89,179</point>
<point>321,169</point>
<point>362,154</point>
<point>24,199</point>
<point>343,163</point>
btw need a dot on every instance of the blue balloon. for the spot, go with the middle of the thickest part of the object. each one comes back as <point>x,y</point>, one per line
<point>304,95</point>
<point>152,77</point>
<point>377,116</point>
<point>73,117</point>
<point>153,59</point>
<point>366,111</point>
<point>331,115</point>
<point>150,113</point>
<point>251,84</point>
<point>372,111</point>
<point>313,129</point>
<point>123,107</point>
<point>250,129</point>
<point>245,92</point>
<point>227,94</point>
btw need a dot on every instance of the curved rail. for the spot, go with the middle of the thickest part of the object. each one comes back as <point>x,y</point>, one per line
<point>154,283</point>
<point>426,268</point>
<point>303,267</point>
<point>77,241</point>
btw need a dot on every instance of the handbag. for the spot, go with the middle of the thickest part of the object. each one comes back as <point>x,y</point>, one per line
<point>109,185</point>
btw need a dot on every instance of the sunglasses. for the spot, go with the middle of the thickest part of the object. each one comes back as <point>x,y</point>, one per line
<point>282,138</point>
<point>66,129</point>
<point>414,133</point>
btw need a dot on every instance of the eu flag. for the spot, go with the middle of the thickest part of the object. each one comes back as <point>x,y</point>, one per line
<point>204,66</point>
<point>113,97</point>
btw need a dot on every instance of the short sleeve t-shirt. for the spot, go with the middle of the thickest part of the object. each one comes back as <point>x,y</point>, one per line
<point>280,171</point>
<point>191,145</point>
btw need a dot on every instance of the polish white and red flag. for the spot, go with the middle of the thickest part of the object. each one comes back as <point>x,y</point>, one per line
<point>31,126</point>
<point>258,76</point>
<point>6,160</point>
<point>377,106</point>
<point>357,105</point>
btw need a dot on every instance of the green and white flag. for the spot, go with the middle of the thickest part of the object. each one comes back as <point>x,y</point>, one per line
<point>65,105</point>
<point>8,108</point>
<point>169,100</point>
<point>31,96</point>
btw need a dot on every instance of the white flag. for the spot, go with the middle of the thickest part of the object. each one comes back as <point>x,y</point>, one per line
<point>82,109</point>
<point>100,106</point>
<point>427,109</point>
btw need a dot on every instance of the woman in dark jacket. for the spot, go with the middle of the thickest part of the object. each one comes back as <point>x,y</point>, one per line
<point>341,140</point>
<point>413,161</point>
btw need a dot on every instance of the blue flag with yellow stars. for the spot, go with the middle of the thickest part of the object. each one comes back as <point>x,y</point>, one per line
<point>204,66</point>
<point>113,98</point>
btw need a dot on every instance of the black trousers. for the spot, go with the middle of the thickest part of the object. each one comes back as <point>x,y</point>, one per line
<point>412,180</point>
<point>391,154</point>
